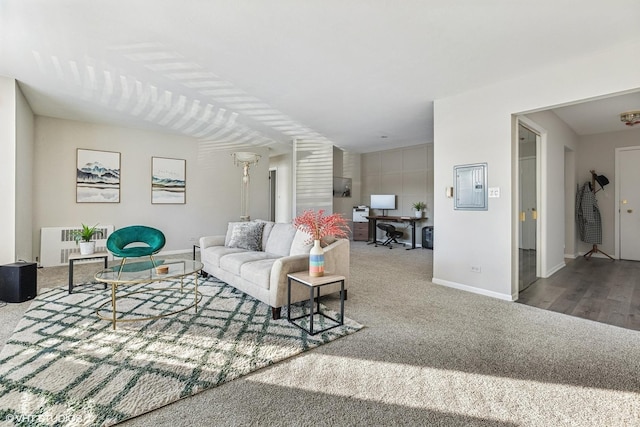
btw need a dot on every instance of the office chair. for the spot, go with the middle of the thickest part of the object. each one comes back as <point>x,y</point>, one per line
<point>391,233</point>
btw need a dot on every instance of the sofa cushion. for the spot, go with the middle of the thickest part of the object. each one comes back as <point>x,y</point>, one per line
<point>247,235</point>
<point>258,272</point>
<point>232,263</point>
<point>213,254</point>
<point>280,239</point>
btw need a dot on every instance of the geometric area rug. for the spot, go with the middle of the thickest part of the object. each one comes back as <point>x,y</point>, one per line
<point>63,366</point>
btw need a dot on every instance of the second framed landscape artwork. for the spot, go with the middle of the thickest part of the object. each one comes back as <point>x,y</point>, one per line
<point>168,181</point>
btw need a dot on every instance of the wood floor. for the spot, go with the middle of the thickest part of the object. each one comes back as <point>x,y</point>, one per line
<point>597,289</point>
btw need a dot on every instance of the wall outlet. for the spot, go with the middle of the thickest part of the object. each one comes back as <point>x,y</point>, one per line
<point>192,239</point>
<point>476,269</point>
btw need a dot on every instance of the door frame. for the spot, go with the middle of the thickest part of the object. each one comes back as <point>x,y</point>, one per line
<point>541,182</point>
<point>616,227</point>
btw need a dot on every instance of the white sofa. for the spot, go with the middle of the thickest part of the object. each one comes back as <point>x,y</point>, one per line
<point>255,258</point>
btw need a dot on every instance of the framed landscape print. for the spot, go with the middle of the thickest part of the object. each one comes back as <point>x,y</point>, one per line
<point>168,180</point>
<point>97,176</point>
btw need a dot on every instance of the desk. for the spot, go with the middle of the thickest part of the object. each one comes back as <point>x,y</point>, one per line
<point>374,219</point>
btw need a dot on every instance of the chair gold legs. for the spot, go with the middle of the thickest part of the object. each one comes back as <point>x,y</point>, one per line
<point>121,266</point>
<point>124,260</point>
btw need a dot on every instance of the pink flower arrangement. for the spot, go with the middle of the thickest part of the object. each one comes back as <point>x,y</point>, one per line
<point>318,225</point>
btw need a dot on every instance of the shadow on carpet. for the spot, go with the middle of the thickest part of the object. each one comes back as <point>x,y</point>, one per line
<point>64,366</point>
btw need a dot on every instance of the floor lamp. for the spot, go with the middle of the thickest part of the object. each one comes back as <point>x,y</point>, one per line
<point>245,159</point>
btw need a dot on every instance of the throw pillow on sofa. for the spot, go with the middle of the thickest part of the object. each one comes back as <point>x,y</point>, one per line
<point>247,235</point>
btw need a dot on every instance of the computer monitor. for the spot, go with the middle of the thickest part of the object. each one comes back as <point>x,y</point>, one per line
<point>383,201</point>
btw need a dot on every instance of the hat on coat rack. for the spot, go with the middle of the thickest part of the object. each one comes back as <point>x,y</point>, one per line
<point>602,180</point>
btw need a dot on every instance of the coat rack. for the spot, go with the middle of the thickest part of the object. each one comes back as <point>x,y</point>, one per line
<point>594,178</point>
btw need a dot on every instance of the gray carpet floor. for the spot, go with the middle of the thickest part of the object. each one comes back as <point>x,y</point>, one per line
<point>429,355</point>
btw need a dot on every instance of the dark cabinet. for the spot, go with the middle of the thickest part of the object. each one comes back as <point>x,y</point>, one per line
<point>361,231</point>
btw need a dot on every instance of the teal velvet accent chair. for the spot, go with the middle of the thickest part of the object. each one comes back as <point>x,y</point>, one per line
<point>135,241</point>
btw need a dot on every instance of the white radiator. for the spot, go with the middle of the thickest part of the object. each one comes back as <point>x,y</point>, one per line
<point>57,243</point>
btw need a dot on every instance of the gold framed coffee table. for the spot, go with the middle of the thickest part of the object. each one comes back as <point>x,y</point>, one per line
<point>144,273</point>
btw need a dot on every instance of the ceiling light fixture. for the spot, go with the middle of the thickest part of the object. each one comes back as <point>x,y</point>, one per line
<point>245,159</point>
<point>630,118</point>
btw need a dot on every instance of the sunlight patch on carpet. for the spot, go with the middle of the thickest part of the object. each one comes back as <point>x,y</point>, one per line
<point>465,394</point>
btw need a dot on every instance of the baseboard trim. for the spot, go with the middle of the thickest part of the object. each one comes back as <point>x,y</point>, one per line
<point>472,289</point>
<point>555,270</point>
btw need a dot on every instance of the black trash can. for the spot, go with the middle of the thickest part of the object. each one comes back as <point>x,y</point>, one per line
<point>427,237</point>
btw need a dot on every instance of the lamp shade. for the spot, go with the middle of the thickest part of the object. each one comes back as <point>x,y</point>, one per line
<point>240,157</point>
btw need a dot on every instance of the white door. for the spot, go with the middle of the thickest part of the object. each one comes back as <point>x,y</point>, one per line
<point>629,186</point>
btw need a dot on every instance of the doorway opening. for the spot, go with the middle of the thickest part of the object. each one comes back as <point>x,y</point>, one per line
<point>272,195</point>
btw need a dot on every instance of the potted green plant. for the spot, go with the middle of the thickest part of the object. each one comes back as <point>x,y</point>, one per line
<point>419,208</point>
<point>84,237</point>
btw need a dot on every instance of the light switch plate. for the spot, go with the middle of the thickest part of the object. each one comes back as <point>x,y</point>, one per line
<point>494,192</point>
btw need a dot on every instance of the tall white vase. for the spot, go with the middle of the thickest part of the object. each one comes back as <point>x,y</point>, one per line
<point>316,260</point>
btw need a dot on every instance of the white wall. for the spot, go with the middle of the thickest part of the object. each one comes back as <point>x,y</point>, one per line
<point>7,170</point>
<point>571,231</point>
<point>25,141</point>
<point>16,163</point>
<point>488,239</point>
<point>213,182</point>
<point>597,152</point>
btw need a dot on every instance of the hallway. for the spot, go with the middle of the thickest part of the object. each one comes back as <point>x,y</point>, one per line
<point>597,289</point>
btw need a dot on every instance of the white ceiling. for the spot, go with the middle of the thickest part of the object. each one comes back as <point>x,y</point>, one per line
<point>361,74</point>
<point>599,116</point>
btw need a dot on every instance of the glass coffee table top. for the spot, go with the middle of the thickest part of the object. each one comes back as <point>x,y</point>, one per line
<point>145,272</point>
